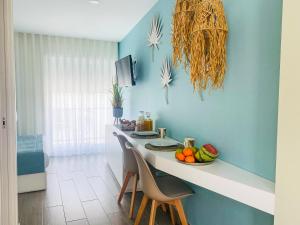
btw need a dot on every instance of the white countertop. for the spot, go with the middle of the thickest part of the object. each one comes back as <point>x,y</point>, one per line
<point>220,177</point>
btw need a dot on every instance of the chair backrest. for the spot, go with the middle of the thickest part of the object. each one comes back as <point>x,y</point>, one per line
<point>148,183</point>
<point>129,162</point>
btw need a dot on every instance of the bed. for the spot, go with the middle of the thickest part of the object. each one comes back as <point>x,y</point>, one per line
<point>31,163</point>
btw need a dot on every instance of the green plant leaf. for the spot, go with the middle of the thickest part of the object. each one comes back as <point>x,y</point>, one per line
<point>117,95</point>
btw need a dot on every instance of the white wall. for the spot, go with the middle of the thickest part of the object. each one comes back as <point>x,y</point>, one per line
<point>288,149</point>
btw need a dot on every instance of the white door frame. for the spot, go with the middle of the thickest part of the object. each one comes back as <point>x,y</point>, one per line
<point>8,172</point>
<point>288,139</point>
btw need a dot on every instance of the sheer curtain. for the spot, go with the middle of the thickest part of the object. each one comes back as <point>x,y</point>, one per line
<point>74,77</point>
<point>29,84</point>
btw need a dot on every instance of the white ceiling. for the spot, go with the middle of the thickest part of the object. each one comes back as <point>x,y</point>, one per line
<point>109,20</point>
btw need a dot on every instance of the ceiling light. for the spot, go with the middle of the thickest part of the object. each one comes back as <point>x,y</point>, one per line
<point>94,1</point>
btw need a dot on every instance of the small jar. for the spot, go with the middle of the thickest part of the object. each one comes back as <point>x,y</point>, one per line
<point>140,123</point>
<point>148,122</point>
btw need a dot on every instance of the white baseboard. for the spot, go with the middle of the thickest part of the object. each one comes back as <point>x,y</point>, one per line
<point>32,182</point>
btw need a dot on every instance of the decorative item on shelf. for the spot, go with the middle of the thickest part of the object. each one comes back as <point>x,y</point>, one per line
<point>206,154</point>
<point>117,102</point>
<point>199,39</point>
<point>127,125</point>
<point>155,34</point>
<point>182,25</point>
<point>166,77</point>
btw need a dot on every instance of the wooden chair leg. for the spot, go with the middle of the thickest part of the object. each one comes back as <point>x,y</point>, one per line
<point>123,189</point>
<point>134,187</point>
<point>164,208</point>
<point>141,210</point>
<point>172,214</point>
<point>153,212</point>
<point>181,213</point>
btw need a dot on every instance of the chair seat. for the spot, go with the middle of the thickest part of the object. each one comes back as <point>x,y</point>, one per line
<point>173,187</point>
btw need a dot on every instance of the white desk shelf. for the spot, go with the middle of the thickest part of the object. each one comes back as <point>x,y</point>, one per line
<point>220,177</point>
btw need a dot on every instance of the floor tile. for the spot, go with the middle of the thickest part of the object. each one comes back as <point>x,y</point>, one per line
<point>83,187</point>
<point>55,216</point>
<point>71,202</point>
<point>78,222</point>
<point>53,195</point>
<point>95,213</point>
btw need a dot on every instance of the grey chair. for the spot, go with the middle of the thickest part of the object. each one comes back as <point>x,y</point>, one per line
<point>130,168</point>
<point>162,190</point>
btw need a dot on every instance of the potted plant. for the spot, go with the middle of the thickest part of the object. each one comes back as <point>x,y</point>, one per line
<point>117,101</point>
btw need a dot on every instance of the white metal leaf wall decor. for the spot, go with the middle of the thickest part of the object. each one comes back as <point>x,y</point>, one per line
<point>155,34</point>
<point>166,76</point>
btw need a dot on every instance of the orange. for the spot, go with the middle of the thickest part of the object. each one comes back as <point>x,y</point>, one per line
<point>180,156</point>
<point>190,159</point>
<point>188,152</point>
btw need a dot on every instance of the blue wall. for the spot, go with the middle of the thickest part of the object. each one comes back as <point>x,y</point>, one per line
<point>239,120</point>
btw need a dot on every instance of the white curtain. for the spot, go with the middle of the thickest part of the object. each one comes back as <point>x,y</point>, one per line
<point>73,78</point>
<point>29,84</point>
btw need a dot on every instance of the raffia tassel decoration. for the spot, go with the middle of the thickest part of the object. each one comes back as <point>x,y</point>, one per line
<point>182,26</point>
<point>208,45</point>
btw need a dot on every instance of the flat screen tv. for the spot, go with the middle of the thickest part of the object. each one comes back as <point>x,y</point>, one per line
<point>124,70</point>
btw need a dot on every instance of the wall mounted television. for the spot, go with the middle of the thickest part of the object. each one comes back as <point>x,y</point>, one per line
<point>125,72</point>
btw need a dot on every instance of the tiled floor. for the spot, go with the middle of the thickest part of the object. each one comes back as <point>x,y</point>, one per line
<point>80,191</point>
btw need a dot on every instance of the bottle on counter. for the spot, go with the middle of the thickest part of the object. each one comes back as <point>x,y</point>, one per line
<point>148,124</point>
<point>140,123</point>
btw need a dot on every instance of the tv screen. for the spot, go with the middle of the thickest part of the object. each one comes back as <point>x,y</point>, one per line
<point>124,70</point>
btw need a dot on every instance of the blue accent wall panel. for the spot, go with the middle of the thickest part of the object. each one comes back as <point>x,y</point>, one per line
<point>240,119</point>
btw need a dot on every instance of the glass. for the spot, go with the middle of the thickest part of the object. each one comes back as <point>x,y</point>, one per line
<point>162,132</point>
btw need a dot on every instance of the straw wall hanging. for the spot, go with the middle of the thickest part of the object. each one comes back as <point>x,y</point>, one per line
<point>199,40</point>
<point>182,26</point>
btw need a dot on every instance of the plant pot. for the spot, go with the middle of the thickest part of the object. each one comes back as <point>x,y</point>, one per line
<point>117,112</point>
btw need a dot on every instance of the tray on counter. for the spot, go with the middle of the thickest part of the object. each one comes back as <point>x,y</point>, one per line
<point>163,149</point>
<point>134,135</point>
<point>196,163</point>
